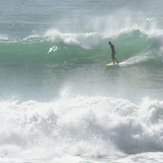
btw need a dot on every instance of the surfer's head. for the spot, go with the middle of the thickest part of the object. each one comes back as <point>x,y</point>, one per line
<point>109,42</point>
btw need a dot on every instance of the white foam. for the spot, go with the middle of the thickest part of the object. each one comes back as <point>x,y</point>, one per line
<point>83,40</point>
<point>109,26</point>
<point>139,58</point>
<point>85,126</point>
<point>3,37</point>
<point>53,49</point>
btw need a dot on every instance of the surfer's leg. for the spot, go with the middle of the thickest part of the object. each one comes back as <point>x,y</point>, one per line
<point>116,60</point>
<point>113,59</point>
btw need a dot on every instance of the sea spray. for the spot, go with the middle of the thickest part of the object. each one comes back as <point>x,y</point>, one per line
<point>91,126</point>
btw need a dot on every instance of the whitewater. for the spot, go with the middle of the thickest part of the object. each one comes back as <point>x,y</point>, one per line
<point>59,103</point>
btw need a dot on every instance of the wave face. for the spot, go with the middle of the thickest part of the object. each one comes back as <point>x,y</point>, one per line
<point>60,60</point>
<point>59,48</point>
<point>58,100</point>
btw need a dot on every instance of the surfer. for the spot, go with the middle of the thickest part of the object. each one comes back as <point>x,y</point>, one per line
<point>113,53</point>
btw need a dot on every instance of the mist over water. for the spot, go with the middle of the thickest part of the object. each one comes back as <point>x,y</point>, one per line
<point>22,18</point>
<point>59,102</point>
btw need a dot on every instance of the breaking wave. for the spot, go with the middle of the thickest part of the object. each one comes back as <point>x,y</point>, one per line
<point>86,126</point>
<point>55,47</point>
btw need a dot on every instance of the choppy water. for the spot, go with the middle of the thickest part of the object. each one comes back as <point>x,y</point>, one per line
<point>59,102</point>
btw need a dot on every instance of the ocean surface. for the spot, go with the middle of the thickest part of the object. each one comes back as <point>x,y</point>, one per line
<point>59,103</point>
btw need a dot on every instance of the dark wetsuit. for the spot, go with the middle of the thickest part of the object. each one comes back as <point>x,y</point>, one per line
<point>113,53</point>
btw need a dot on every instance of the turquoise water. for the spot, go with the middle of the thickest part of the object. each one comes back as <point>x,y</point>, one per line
<point>36,67</point>
<point>58,100</point>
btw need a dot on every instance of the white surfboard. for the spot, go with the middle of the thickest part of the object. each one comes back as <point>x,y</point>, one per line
<point>111,65</point>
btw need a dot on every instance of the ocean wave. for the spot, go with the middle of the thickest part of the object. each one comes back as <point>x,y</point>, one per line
<point>57,47</point>
<point>92,126</point>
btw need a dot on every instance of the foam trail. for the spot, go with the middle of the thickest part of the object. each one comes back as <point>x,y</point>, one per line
<point>136,59</point>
